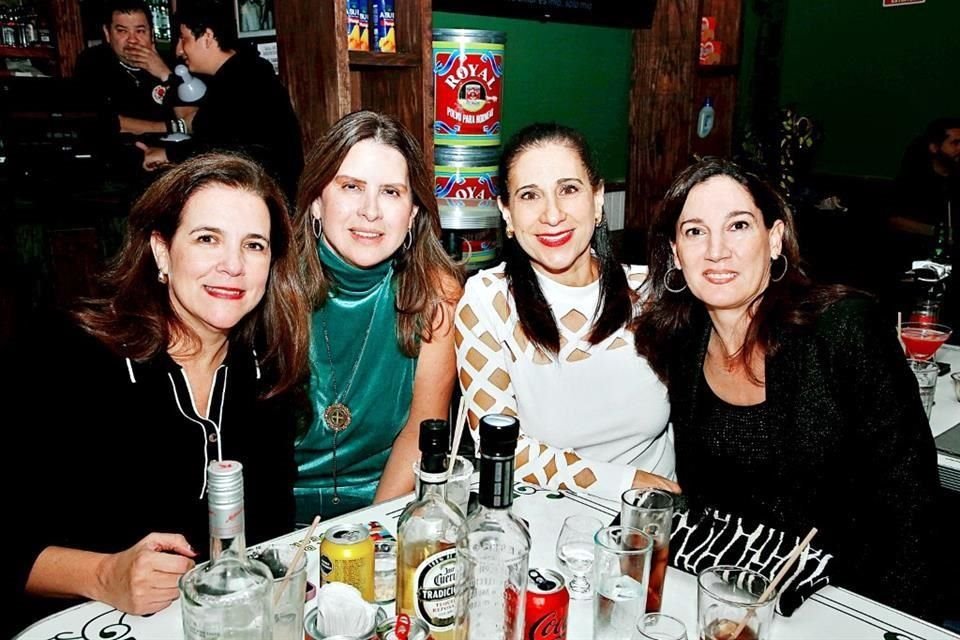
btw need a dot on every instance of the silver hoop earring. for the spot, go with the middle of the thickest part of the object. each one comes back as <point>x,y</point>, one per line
<point>161,277</point>
<point>409,241</point>
<point>666,280</point>
<point>786,266</point>
<point>317,227</point>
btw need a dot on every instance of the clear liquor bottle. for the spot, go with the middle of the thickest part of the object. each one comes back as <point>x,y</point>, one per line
<point>230,595</point>
<point>493,549</point>
<point>427,537</point>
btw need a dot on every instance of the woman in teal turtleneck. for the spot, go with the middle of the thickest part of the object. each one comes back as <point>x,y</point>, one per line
<point>381,351</point>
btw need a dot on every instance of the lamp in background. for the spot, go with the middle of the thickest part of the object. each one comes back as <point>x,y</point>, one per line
<point>191,89</point>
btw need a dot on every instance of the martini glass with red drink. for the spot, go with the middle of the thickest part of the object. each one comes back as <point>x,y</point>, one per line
<point>922,340</point>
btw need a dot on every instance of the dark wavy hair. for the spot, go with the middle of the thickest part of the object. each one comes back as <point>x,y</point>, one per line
<point>615,303</point>
<point>134,317</point>
<point>216,15</point>
<point>425,271</point>
<point>793,300</point>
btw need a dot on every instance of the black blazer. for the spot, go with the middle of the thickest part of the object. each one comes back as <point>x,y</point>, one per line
<point>857,458</point>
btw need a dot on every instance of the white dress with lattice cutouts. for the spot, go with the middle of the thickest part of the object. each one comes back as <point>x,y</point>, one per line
<point>589,416</point>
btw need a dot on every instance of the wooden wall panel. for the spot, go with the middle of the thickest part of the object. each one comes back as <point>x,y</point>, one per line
<point>661,122</point>
<point>311,45</point>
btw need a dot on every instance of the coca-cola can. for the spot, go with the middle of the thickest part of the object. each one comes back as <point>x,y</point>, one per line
<point>548,603</point>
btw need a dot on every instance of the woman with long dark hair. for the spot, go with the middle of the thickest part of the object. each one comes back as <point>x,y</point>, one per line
<point>184,359</point>
<point>383,292</point>
<point>792,403</point>
<point>544,335</point>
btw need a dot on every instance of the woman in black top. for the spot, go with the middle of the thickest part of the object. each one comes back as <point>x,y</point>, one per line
<point>184,360</point>
<point>790,402</point>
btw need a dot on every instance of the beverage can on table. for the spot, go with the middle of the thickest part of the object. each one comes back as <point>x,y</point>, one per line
<point>548,603</point>
<point>468,86</point>
<point>347,555</point>
<point>417,629</point>
<point>466,172</point>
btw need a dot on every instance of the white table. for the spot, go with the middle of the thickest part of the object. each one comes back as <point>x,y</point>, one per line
<point>945,414</point>
<point>831,613</point>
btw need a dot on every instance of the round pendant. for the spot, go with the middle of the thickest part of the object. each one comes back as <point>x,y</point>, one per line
<point>337,416</point>
<point>336,500</point>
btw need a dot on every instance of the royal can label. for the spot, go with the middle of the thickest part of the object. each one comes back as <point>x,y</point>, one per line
<point>468,87</point>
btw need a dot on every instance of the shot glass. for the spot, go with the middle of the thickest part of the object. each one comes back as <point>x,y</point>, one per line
<point>727,596</point>
<point>659,626</point>
<point>458,483</point>
<point>288,610</point>
<point>651,511</point>
<point>384,570</point>
<point>926,372</point>
<point>621,572</point>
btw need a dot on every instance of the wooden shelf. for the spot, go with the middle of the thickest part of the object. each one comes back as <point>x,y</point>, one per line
<point>399,84</point>
<point>48,53</point>
<point>386,60</point>
<point>717,69</point>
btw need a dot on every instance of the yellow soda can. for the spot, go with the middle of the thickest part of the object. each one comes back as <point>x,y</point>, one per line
<point>346,555</point>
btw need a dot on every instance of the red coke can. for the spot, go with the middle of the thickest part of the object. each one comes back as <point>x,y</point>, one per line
<point>548,603</point>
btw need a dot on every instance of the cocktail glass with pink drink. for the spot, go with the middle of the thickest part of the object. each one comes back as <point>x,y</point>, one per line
<point>922,340</point>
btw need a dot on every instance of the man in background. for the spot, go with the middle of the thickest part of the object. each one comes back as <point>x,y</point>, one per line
<point>246,109</point>
<point>127,77</point>
<point>928,185</point>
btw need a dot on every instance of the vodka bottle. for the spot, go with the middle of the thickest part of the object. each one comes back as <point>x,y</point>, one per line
<point>426,540</point>
<point>494,546</point>
<point>229,596</point>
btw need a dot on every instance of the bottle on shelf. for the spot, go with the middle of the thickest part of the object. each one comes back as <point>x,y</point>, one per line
<point>28,25</point>
<point>427,537</point>
<point>705,118</point>
<point>493,548</point>
<point>9,27</point>
<point>229,596</point>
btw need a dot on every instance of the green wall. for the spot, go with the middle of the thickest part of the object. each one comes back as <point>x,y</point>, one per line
<point>872,77</point>
<point>576,75</point>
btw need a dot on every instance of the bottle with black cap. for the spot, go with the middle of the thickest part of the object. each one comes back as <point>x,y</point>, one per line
<point>493,549</point>
<point>426,539</point>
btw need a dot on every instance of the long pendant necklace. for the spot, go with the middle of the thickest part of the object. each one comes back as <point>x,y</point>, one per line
<point>337,415</point>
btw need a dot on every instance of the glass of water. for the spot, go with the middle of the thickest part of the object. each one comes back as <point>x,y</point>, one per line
<point>621,573</point>
<point>659,626</point>
<point>575,552</point>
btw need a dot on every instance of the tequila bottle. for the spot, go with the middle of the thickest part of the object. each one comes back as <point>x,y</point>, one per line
<point>493,548</point>
<point>229,596</point>
<point>426,540</point>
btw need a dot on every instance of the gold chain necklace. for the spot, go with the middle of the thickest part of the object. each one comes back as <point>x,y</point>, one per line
<point>337,415</point>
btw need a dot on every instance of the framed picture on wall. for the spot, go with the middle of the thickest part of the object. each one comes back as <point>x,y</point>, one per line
<point>254,18</point>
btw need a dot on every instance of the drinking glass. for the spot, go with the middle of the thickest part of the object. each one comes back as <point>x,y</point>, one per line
<point>659,626</point>
<point>621,572</point>
<point>926,372</point>
<point>922,340</point>
<point>457,489</point>
<point>288,609</point>
<point>575,552</point>
<point>651,511</point>
<point>728,595</point>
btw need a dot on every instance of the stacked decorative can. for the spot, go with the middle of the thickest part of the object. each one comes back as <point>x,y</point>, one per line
<point>468,74</point>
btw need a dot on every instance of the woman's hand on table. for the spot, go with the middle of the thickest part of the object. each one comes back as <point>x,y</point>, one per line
<point>645,480</point>
<point>143,579</point>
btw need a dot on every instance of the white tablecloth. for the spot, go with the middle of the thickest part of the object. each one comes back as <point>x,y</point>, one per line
<point>831,614</point>
<point>945,414</point>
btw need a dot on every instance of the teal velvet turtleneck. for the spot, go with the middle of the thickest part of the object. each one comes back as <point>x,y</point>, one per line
<point>379,396</point>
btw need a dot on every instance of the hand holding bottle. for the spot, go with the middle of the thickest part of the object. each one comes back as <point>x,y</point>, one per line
<point>143,578</point>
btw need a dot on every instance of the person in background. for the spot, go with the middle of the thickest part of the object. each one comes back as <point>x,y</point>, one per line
<point>245,109</point>
<point>383,292</point>
<point>928,184</point>
<point>792,403</point>
<point>544,335</point>
<point>127,76</point>
<point>186,358</point>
